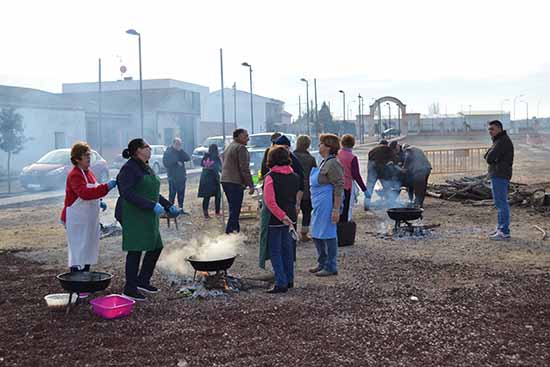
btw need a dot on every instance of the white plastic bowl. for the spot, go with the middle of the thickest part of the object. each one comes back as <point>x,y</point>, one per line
<point>59,300</point>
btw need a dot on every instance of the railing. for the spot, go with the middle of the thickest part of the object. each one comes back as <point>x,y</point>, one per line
<point>457,160</point>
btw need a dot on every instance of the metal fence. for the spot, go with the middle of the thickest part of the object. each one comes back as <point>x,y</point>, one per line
<point>457,160</point>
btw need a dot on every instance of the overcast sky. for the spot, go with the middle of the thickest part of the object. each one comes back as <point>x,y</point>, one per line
<point>459,53</point>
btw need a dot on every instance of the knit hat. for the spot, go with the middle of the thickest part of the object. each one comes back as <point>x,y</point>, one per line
<point>283,140</point>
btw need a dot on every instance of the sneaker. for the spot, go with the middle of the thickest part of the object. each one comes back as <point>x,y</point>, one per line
<point>316,269</point>
<point>500,236</point>
<point>135,295</point>
<point>277,289</point>
<point>324,273</point>
<point>184,212</point>
<point>492,233</point>
<point>148,288</point>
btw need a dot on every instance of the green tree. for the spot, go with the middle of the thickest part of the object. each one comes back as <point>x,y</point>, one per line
<point>12,135</point>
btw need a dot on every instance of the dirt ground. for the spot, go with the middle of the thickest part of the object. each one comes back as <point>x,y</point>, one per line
<point>480,303</point>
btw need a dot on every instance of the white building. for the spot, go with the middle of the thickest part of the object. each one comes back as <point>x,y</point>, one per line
<point>49,121</point>
<point>267,111</point>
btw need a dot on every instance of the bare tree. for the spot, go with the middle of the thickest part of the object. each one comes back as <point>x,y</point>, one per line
<point>433,108</point>
<point>11,135</point>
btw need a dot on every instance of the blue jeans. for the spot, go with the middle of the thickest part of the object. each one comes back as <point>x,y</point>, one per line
<point>281,249</point>
<point>234,194</point>
<point>500,197</point>
<point>327,251</point>
<point>176,188</point>
<point>372,177</point>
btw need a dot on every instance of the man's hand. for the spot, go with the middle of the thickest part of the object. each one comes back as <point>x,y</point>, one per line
<point>286,220</point>
<point>335,216</point>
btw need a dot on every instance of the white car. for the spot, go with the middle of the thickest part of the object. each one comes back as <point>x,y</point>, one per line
<point>202,149</point>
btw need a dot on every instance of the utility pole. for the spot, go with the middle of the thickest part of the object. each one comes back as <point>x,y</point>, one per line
<point>234,106</point>
<point>316,109</point>
<point>100,108</point>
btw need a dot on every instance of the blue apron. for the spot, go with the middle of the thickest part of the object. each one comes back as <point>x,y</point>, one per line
<point>322,201</point>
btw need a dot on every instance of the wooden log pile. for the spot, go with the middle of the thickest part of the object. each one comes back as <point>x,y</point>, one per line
<point>477,191</point>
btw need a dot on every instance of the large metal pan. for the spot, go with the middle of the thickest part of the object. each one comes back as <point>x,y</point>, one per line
<point>211,265</point>
<point>85,281</point>
<point>405,214</point>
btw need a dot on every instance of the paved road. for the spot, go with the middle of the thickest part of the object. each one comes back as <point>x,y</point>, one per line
<point>48,195</point>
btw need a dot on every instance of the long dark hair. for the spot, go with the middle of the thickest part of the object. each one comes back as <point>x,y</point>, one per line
<point>133,146</point>
<point>213,151</point>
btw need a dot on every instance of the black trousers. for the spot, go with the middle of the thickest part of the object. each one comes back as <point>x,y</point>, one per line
<point>134,275</point>
<point>176,188</point>
<point>74,269</point>
<point>306,208</point>
<point>347,199</point>
<point>235,195</point>
<point>217,203</point>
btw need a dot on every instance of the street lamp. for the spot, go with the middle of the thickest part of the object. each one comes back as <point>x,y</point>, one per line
<point>307,100</point>
<point>526,115</point>
<point>361,126</point>
<point>515,98</point>
<point>245,64</point>
<point>133,32</point>
<point>343,103</point>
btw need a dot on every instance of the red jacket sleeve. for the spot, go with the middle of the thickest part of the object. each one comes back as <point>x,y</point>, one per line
<point>77,183</point>
<point>269,198</point>
<point>356,174</point>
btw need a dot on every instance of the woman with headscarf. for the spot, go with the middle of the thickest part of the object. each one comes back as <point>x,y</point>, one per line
<point>138,209</point>
<point>81,209</point>
<point>209,184</point>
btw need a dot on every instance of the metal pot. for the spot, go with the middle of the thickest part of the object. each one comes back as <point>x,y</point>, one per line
<point>211,265</point>
<point>405,214</point>
<point>85,281</point>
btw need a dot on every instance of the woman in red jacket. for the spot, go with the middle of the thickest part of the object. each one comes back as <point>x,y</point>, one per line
<point>80,213</point>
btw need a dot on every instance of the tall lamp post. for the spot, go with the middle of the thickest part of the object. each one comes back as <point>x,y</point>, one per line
<point>526,115</point>
<point>307,99</point>
<point>515,98</point>
<point>343,103</point>
<point>133,32</point>
<point>360,108</point>
<point>245,64</point>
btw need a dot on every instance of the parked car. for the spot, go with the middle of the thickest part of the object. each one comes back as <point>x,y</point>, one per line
<point>202,149</point>
<point>257,145</point>
<point>157,152</point>
<point>50,171</point>
<point>391,132</point>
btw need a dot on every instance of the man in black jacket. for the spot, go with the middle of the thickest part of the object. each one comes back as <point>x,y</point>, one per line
<point>500,158</point>
<point>174,160</point>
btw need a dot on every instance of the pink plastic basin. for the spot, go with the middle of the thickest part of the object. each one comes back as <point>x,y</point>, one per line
<point>112,306</point>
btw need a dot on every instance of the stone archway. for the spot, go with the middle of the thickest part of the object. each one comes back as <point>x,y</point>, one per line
<point>375,108</point>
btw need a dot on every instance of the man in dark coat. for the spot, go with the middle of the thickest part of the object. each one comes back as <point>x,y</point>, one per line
<point>500,158</point>
<point>174,160</point>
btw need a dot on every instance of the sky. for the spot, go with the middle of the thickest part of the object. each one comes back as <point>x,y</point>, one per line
<point>463,54</point>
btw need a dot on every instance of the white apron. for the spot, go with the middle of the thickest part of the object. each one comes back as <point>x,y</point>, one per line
<point>83,230</point>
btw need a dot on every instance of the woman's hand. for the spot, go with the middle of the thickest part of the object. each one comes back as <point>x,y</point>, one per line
<point>158,209</point>
<point>287,221</point>
<point>103,205</point>
<point>335,216</point>
<point>111,184</point>
<point>174,211</point>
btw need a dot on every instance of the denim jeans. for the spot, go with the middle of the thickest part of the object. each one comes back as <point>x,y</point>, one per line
<point>281,249</point>
<point>500,197</point>
<point>327,251</point>
<point>372,177</point>
<point>234,194</point>
<point>176,188</point>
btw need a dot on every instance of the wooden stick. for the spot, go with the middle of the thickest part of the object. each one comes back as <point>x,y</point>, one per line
<point>542,231</point>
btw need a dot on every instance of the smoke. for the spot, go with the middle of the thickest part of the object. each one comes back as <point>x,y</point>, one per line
<point>205,248</point>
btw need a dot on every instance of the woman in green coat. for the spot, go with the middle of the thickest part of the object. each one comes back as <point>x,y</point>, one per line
<point>138,209</point>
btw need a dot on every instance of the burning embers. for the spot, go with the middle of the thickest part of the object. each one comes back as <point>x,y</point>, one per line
<point>206,285</point>
<point>403,224</point>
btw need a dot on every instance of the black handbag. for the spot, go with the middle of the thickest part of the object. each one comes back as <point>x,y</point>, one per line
<point>346,233</point>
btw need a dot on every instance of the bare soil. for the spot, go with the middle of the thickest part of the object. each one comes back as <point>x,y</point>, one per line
<point>480,303</point>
